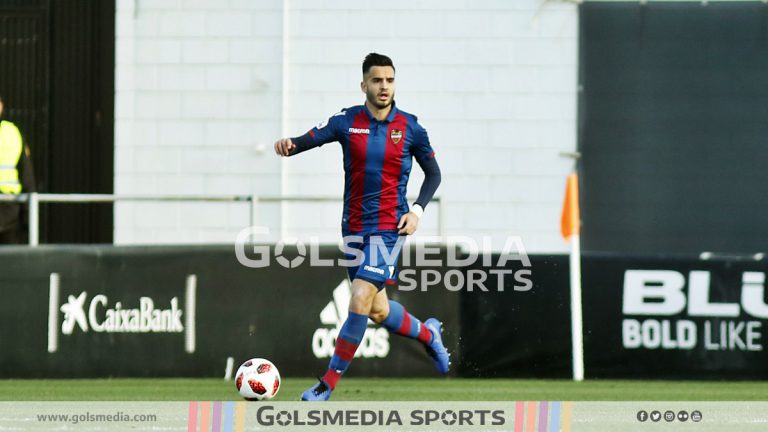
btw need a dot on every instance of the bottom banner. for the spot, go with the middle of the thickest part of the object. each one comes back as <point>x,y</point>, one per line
<point>517,416</point>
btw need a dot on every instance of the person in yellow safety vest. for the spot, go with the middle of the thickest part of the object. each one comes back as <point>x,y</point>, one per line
<point>16,176</point>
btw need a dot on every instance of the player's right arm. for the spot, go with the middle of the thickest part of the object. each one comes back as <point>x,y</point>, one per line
<point>321,134</point>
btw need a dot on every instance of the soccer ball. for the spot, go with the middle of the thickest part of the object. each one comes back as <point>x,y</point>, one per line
<point>257,379</point>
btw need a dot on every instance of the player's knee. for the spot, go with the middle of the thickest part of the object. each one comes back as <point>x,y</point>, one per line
<point>378,315</point>
<point>379,311</point>
<point>362,298</point>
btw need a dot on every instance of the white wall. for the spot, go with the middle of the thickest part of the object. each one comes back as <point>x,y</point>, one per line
<point>200,99</point>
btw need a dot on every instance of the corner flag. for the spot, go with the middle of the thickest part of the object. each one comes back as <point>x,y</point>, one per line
<point>570,221</point>
<point>570,227</point>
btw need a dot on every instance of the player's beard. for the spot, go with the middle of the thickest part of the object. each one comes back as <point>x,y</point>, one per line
<point>374,100</point>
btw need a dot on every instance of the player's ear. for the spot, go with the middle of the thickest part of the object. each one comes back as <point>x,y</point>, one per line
<point>362,86</point>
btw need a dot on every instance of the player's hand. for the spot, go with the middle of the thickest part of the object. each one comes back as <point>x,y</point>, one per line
<point>408,223</point>
<point>284,147</point>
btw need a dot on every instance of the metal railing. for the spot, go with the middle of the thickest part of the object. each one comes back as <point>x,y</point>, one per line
<point>34,199</point>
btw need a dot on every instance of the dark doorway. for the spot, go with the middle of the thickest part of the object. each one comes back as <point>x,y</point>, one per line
<point>673,128</point>
<point>57,61</point>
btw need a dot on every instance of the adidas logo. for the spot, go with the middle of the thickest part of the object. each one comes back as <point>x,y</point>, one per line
<point>375,343</point>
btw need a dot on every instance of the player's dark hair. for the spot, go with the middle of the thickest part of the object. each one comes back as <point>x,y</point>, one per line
<point>374,59</point>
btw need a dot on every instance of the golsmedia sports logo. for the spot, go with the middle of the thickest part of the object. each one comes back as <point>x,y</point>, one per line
<point>270,416</point>
<point>375,343</point>
<point>461,254</point>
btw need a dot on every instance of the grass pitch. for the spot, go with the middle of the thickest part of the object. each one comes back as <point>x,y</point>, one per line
<point>383,389</point>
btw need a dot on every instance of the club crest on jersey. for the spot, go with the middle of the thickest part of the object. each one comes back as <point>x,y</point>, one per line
<point>396,136</point>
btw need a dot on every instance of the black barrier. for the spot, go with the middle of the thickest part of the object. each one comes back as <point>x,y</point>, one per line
<point>644,317</point>
<point>123,311</point>
<point>674,317</point>
<point>521,331</point>
<point>182,311</point>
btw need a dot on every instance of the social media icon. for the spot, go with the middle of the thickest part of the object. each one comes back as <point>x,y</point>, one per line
<point>642,416</point>
<point>682,416</point>
<point>669,416</point>
<point>696,416</point>
<point>655,416</point>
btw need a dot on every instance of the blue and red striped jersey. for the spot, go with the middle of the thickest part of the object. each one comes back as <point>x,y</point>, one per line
<point>377,162</point>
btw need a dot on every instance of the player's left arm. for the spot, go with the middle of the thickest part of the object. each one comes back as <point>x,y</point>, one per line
<point>425,157</point>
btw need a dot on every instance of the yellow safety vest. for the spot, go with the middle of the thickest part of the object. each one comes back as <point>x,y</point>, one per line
<point>10,152</point>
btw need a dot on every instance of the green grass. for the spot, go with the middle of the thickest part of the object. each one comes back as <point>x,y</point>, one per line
<point>381,389</point>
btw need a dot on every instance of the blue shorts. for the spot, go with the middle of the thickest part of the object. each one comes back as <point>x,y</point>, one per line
<point>380,252</point>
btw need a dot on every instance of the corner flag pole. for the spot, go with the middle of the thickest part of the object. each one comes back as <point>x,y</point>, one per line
<point>570,224</point>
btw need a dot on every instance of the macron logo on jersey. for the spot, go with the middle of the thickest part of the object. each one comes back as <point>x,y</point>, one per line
<point>359,131</point>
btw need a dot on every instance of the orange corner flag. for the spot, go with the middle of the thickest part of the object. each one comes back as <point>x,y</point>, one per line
<point>569,221</point>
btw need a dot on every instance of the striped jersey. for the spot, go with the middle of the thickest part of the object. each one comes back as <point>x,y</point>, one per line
<point>377,162</point>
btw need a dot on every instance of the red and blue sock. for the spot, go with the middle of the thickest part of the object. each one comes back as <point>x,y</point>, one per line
<point>349,338</point>
<point>399,321</point>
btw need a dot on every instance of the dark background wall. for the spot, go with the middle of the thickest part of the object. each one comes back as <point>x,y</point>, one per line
<point>277,313</point>
<point>57,61</point>
<point>673,126</point>
<point>271,312</point>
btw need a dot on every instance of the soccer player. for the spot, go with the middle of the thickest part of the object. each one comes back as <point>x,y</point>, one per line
<point>378,141</point>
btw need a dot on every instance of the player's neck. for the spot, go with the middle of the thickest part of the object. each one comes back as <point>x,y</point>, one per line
<point>379,114</point>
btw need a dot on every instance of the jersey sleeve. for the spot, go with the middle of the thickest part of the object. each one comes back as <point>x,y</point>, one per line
<point>421,149</point>
<point>328,130</point>
<point>325,132</point>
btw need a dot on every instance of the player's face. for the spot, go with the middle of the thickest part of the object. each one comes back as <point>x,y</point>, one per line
<point>379,86</point>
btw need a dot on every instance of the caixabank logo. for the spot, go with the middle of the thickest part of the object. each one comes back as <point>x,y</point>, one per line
<point>375,343</point>
<point>92,312</point>
<point>102,316</point>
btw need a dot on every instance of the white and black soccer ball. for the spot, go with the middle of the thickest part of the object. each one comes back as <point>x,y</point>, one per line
<point>257,379</point>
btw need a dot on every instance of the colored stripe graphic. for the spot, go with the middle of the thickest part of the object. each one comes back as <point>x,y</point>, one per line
<point>229,416</point>
<point>205,416</point>
<point>554,418</point>
<point>519,416</point>
<point>548,414</point>
<point>567,411</point>
<point>192,417</point>
<point>543,415</point>
<point>216,421</point>
<point>530,426</point>
<point>240,417</point>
